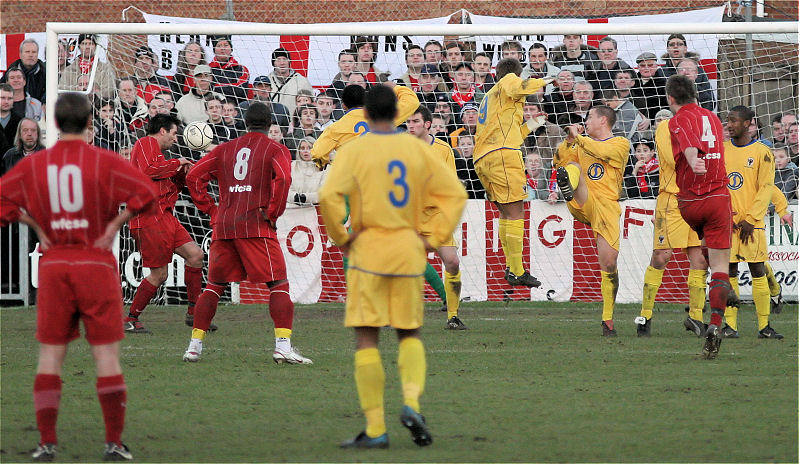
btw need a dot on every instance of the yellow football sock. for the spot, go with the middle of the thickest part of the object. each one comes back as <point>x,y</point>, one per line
<point>452,289</point>
<point>370,380</point>
<point>774,286</point>
<point>411,365</point>
<point>574,173</point>
<point>652,281</point>
<point>697,293</point>
<point>285,333</point>
<point>609,283</point>
<point>502,230</point>
<point>761,300</point>
<point>198,334</point>
<point>732,313</point>
<point>515,232</point>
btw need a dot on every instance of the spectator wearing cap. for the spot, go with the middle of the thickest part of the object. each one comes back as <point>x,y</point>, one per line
<point>286,82</point>
<point>573,55</point>
<point>25,106</point>
<point>262,92</point>
<point>677,50</point>
<point>484,79</point>
<point>642,176</point>
<point>230,78</point>
<point>148,83</point>
<point>105,78</point>
<point>346,63</point>
<point>705,96</point>
<point>415,58</point>
<point>33,67</point>
<point>539,65</point>
<point>191,55</point>
<point>430,85</point>
<point>649,86</point>
<point>366,52</point>
<point>601,72</point>
<point>192,106</point>
<point>469,122</point>
<point>464,89</point>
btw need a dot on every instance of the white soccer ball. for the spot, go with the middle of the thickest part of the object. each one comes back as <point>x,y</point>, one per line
<point>198,135</point>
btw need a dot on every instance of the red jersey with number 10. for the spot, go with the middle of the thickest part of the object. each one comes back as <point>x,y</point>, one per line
<point>697,127</point>
<point>254,175</point>
<point>73,190</point>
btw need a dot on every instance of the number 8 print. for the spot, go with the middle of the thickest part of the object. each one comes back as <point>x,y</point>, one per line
<point>240,168</point>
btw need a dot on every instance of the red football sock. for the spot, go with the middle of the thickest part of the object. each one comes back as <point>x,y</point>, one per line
<point>113,394</point>
<point>144,294</point>
<point>281,308</point>
<point>193,277</point>
<point>206,306</point>
<point>718,291</point>
<point>46,398</point>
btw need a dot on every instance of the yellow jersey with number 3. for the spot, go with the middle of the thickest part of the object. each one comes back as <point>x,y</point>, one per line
<point>354,124</point>
<point>500,114</point>
<point>751,176</point>
<point>390,180</point>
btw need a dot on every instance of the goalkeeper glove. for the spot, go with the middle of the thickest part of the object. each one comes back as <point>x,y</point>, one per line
<point>535,123</point>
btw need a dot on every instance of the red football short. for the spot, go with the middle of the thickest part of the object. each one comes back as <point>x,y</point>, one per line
<point>157,242</point>
<point>711,217</point>
<point>254,259</point>
<point>78,284</point>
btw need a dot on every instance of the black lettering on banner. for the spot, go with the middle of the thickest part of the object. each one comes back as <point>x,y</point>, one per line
<point>390,44</point>
<point>165,38</point>
<point>194,38</point>
<point>179,40</point>
<point>489,49</point>
<point>166,59</point>
<point>540,38</point>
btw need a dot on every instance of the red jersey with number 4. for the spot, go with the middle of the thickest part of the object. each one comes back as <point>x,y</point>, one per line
<point>254,175</point>
<point>697,127</point>
<point>73,190</point>
<point>167,174</point>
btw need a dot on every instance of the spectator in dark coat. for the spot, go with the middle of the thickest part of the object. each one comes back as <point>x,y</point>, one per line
<point>33,68</point>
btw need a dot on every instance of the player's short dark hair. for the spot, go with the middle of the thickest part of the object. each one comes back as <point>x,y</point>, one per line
<point>347,51</point>
<point>257,116</point>
<point>506,66</point>
<point>425,112</point>
<point>682,89</point>
<point>353,96</point>
<point>161,121</point>
<point>481,54</point>
<point>742,112</point>
<point>627,71</point>
<point>381,103</point>
<point>606,112</point>
<point>73,112</point>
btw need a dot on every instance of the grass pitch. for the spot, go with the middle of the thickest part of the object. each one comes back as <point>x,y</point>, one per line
<point>529,382</point>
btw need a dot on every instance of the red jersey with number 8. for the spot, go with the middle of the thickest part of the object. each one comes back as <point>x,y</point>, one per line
<point>693,126</point>
<point>254,175</point>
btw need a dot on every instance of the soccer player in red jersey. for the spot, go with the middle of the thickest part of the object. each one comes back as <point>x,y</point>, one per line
<point>156,231</point>
<point>703,198</point>
<point>70,195</point>
<point>254,175</point>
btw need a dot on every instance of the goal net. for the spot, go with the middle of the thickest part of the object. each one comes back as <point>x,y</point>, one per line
<point>143,69</point>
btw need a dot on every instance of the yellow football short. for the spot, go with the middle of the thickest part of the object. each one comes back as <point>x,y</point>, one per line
<point>451,243</point>
<point>376,301</point>
<point>502,173</point>
<point>601,214</point>
<point>670,230</point>
<point>755,251</point>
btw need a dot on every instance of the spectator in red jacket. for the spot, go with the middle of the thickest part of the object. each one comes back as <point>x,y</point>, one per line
<point>230,78</point>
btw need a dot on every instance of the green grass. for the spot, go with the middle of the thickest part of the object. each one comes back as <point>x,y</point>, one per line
<point>528,383</point>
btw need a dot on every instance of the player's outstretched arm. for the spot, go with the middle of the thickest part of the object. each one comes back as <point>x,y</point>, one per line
<point>322,148</point>
<point>517,87</point>
<point>407,103</point>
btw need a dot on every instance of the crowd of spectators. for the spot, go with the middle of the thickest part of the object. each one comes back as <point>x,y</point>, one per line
<point>450,78</point>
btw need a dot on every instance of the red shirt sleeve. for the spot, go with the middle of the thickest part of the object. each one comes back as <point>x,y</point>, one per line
<point>281,182</point>
<point>11,194</point>
<point>684,133</point>
<point>131,186</point>
<point>146,155</point>
<point>197,181</point>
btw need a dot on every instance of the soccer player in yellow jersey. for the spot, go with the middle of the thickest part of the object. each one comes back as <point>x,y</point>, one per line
<point>672,232</point>
<point>392,181</point>
<point>418,125</point>
<point>751,175</point>
<point>354,123</point>
<point>781,209</point>
<point>498,161</point>
<point>589,175</point>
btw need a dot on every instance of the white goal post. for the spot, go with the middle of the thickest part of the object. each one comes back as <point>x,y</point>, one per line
<point>752,62</point>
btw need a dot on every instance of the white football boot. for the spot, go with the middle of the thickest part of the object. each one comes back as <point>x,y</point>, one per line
<point>193,352</point>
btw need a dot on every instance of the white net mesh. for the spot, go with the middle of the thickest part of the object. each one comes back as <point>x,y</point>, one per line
<point>759,72</point>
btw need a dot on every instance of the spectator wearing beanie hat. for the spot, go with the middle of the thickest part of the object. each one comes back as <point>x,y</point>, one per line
<point>148,83</point>
<point>104,78</point>
<point>230,78</point>
<point>286,82</point>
